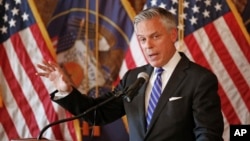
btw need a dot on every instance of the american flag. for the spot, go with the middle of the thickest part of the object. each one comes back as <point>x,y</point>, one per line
<point>26,106</point>
<point>214,37</point>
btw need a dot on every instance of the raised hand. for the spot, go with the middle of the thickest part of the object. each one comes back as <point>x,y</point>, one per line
<point>56,75</point>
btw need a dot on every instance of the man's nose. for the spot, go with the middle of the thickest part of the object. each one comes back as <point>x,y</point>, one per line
<point>148,44</point>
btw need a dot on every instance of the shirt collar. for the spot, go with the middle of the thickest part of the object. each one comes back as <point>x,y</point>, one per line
<point>172,63</point>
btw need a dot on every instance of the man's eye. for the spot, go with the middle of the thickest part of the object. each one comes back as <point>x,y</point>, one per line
<point>142,39</point>
<point>156,36</point>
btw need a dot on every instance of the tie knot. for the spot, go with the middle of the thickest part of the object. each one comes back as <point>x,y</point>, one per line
<point>159,71</point>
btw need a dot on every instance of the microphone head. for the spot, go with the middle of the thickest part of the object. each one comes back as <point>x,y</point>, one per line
<point>143,75</point>
<point>132,91</point>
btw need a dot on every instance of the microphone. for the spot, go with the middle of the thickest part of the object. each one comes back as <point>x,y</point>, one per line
<point>115,95</point>
<point>132,90</point>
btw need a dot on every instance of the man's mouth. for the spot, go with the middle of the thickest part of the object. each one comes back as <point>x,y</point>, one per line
<point>153,55</point>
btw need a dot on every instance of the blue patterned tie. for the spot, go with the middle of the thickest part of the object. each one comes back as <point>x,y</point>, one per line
<point>155,95</point>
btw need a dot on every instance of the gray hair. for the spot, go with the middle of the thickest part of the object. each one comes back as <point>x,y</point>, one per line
<point>167,17</point>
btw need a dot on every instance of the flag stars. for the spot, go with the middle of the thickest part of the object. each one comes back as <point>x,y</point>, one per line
<point>5,18</point>
<point>174,1</point>
<point>186,4</point>
<point>163,5</point>
<point>206,13</point>
<point>14,11</point>
<point>172,10</point>
<point>25,16</point>
<point>180,27</point>
<point>18,1</point>
<point>193,20</point>
<point>7,6</point>
<point>195,9</point>
<point>183,16</point>
<point>217,7</point>
<point>12,23</point>
<point>153,2</point>
<point>207,2</point>
<point>3,29</point>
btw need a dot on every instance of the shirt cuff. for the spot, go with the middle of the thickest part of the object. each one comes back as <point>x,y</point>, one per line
<point>60,95</point>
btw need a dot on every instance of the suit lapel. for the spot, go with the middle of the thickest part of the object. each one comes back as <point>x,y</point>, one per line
<point>169,90</point>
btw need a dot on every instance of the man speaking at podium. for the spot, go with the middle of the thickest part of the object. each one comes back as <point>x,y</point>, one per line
<point>178,102</point>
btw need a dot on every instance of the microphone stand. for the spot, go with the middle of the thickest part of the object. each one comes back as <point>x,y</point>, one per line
<point>118,94</point>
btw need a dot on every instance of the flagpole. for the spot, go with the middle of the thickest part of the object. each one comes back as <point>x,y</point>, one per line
<point>97,45</point>
<point>180,24</point>
<point>239,19</point>
<point>87,43</point>
<point>129,9</point>
<point>44,30</point>
<point>96,129</point>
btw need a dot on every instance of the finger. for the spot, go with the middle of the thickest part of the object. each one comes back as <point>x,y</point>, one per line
<point>42,67</point>
<point>42,74</point>
<point>54,65</point>
<point>48,66</point>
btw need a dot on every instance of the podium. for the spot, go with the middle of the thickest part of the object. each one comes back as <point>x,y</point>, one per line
<point>32,139</point>
<point>29,139</point>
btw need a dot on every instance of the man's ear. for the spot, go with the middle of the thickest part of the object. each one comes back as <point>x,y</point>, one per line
<point>174,34</point>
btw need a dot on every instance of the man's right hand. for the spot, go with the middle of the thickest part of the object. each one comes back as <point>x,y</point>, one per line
<point>56,75</point>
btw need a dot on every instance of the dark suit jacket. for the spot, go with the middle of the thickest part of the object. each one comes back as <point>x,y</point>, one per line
<point>195,116</point>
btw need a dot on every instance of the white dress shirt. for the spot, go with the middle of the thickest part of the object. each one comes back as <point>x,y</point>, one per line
<point>168,70</point>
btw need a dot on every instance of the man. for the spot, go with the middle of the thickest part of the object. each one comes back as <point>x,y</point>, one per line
<point>188,108</point>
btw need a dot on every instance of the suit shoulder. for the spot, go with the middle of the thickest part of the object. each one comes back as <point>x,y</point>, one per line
<point>199,68</point>
<point>193,67</point>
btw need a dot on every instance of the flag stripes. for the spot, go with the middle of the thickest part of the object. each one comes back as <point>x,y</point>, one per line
<point>12,132</point>
<point>27,107</point>
<point>133,57</point>
<point>215,46</point>
<point>39,86</point>
<point>18,81</point>
<point>129,61</point>
<point>39,42</point>
<point>17,91</point>
<point>200,57</point>
<point>242,44</point>
<point>15,88</point>
<point>136,50</point>
<point>229,64</point>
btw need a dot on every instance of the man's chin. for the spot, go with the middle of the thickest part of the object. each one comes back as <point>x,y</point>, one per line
<point>154,64</point>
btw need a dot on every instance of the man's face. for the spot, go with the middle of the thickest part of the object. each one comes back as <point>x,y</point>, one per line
<point>156,41</point>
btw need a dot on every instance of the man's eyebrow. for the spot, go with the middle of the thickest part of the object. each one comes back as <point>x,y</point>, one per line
<point>139,35</point>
